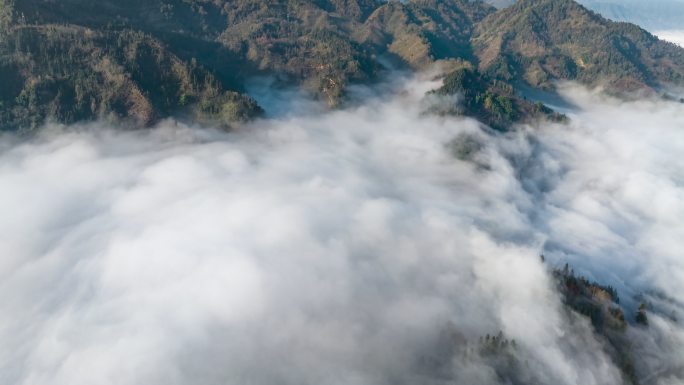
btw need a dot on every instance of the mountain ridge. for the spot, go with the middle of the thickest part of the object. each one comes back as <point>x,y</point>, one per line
<point>541,41</point>
<point>321,45</point>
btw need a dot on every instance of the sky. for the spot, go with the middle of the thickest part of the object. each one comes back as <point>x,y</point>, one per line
<point>662,17</point>
<point>673,36</point>
<point>370,245</point>
<point>653,15</point>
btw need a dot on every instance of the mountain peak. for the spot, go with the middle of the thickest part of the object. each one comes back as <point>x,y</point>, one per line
<point>541,41</point>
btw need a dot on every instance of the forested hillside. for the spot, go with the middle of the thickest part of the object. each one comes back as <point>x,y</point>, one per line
<point>540,41</point>
<point>139,61</point>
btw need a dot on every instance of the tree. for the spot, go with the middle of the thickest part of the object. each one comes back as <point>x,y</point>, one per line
<point>6,11</point>
<point>641,317</point>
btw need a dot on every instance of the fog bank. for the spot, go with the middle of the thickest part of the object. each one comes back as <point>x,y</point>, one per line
<point>372,245</point>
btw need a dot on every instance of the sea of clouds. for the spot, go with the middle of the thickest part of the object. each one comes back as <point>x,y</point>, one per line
<point>370,245</point>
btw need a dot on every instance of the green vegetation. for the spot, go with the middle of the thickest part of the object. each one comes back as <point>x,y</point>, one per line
<point>323,45</point>
<point>540,41</point>
<point>641,317</point>
<point>420,32</point>
<point>495,344</point>
<point>491,101</point>
<point>70,74</point>
<point>225,108</point>
<point>6,11</point>
<point>600,304</point>
<point>466,147</point>
<point>141,60</point>
<point>582,299</point>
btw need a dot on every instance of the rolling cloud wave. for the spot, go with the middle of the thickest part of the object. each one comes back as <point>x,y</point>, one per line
<point>372,245</point>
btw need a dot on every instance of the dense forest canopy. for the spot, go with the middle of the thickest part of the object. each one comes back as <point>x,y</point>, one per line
<point>138,61</point>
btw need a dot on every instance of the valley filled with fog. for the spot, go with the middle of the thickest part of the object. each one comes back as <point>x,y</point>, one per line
<point>375,244</point>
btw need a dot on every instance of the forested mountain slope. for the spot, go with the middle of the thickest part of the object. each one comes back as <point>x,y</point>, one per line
<point>70,73</point>
<point>540,41</point>
<point>139,61</point>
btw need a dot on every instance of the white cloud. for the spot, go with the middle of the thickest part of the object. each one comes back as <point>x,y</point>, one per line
<point>328,248</point>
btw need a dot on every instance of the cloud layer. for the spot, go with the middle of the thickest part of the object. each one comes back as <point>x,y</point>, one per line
<point>372,245</point>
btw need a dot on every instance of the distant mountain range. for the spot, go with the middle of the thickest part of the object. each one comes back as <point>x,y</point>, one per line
<point>139,61</point>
